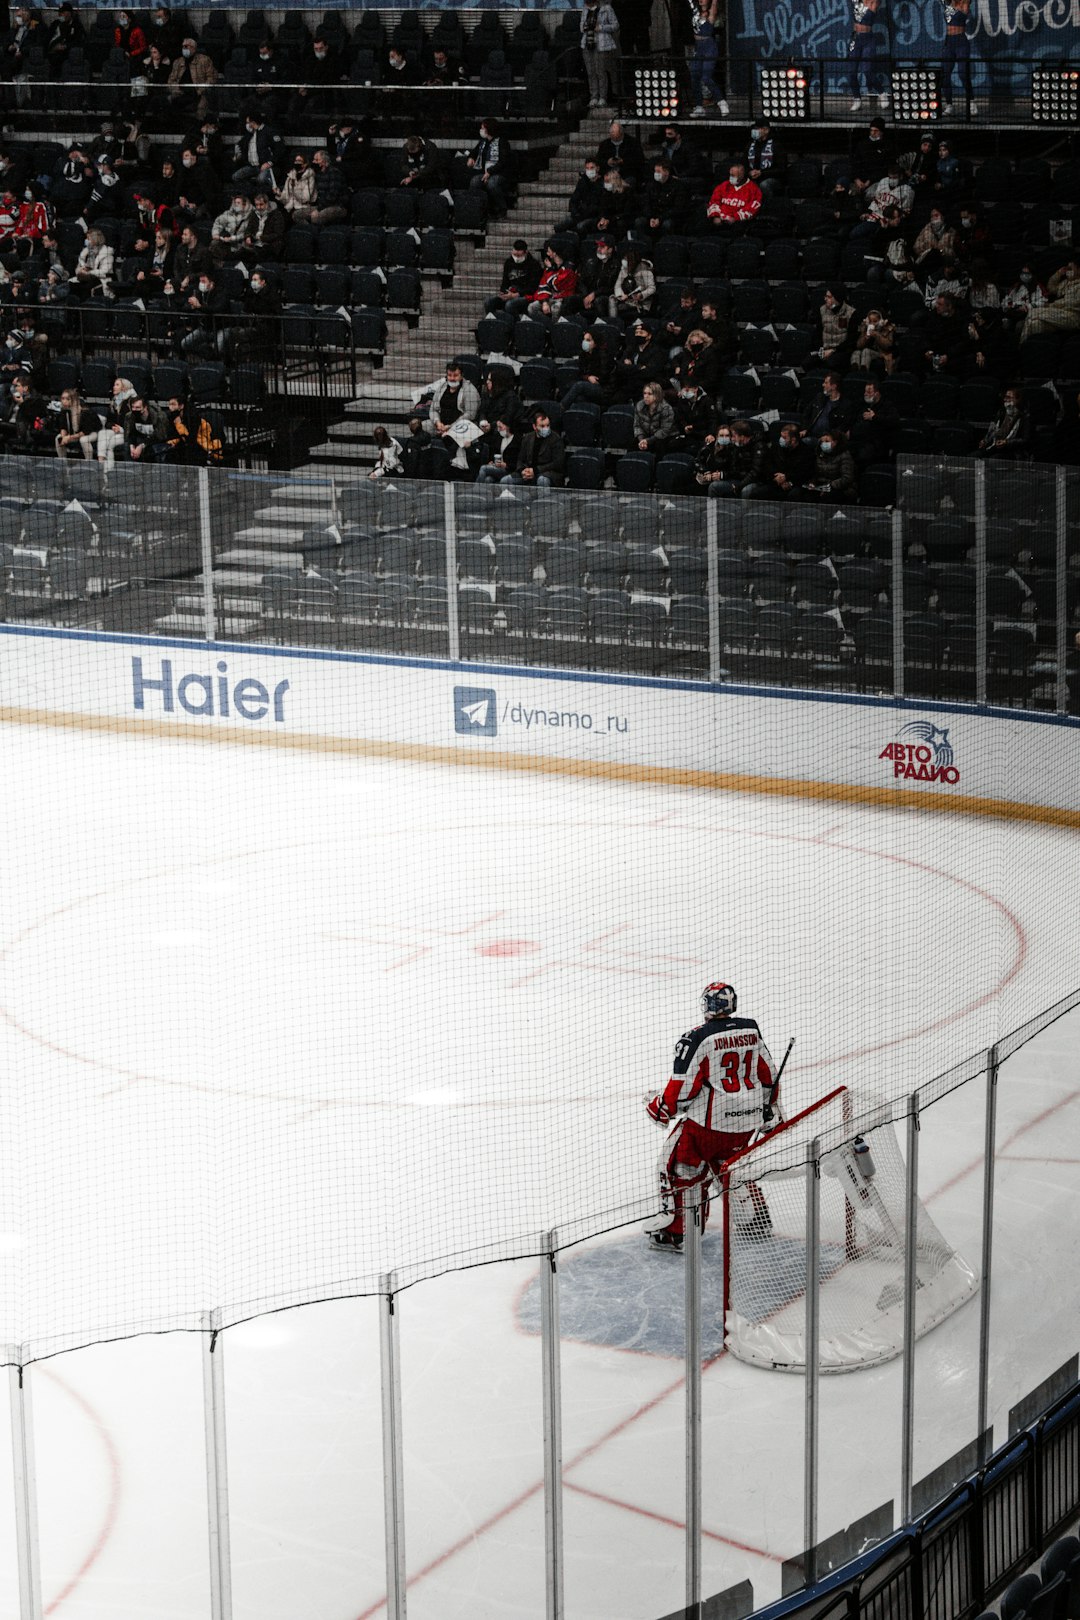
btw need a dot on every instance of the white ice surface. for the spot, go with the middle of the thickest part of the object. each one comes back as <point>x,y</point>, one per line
<point>231,945</point>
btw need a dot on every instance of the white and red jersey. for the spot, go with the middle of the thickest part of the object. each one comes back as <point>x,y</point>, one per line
<point>722,1078</point>
<point>734,204</point>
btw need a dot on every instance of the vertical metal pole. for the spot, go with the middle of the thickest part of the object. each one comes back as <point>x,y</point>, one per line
<point>981,628</point>
<point>453,622</point>
<point>217,1471</point>
<point>813,1363</point>
<point>206,547</point>
<point>984,1438</point>
<point>692,1305</point>
<point>550,1351</point>
<point>28,1552</point>
<point>1061,600</point>
<point>911,1278</point>
<point>898,602</point>
<point>712,538</point>
<point>393,1453</point>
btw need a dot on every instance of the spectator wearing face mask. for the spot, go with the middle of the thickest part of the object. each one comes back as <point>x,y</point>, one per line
<point>623,152</point>
<point>520,276</point>
<point>635,287</point>
<point>871,156</point>
<point>296,194</point>
<point>695,419</point>
<point>111,436</point>
<point>640,360</point>
<point>192,70</point>
<point>200,327</point>
<point>499,398</point>
<point>230,230</point>
<point>600,51</point>
<point>269,75</point>
<point>654,420</point>
<point>586,202</point>
<point>700,362</point>
<point>419,163</point>
<point>257,333</point>
<point>766,162</point>
<point>542,461</point>
<point>837,316</point>
<point>936,240</point>
<point>264,240</point>
<point>198,193</point>
<point>875,343</point>
<point>256,151</point>
<point>825,410</point>
<point>619,206</point>
<point>596,282</point>
<point>558,280</point>
<point>129,37</point>
<point>453,398</point>
<point>1026,293</point>
<point>593,385</point>
<point>889,194</point>
<point>732,463</point>
<point>322,66</point>
<point>499,452</point>
<point>924,168</point>
<point>833,476</point>
<point>1009,434</point>
<point>786,466</point>
<point>973,239</point>
<point>875,427</point>
<point>490,163</point>
<point>94,267</point>
<point>736,202</point>
<point>683,320</point>
<point>663,203</point>
<point>950,171</point>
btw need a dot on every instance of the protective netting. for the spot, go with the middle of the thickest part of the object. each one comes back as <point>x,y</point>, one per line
<point>862,1232</point>
<point>282,1017</point>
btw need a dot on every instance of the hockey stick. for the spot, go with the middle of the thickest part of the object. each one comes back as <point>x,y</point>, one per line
<point>761,1132</point>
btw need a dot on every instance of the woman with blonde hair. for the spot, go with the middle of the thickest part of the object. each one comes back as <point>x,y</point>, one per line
<point>94,266</point>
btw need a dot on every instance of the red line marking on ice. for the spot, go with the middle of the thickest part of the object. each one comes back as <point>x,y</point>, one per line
<point>675,1524</point>
<point>112,1507</point>
<point>595,944</point>
<point>413,956</point>
<point>1003,1150</point>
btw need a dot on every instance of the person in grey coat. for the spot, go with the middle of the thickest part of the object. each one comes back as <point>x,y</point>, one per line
<point>600,52</point>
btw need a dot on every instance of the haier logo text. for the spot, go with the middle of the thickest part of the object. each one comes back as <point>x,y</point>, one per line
<point>475,711</point>
<point>220,694</point>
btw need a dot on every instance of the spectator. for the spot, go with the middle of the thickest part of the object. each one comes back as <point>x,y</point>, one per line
<point>453,398</point>
<point>22,37</point>
<point>786,466</point>
<point>641,360</point>
<point>79,427</point>
<point>951,280</point>
<point>826,409</point>
<point>499,399</point>
<point>1009,434</point>
<point>420,164</point>
<point>936,242</point>
<point>25,428</point>
<point>716,325</point>
<point>700,363</point>
<point>146,431</point>
<point>71,183</point>
<point>319,69</point>
<point>875,343</point>
<point>264,239</point>
<point>66,33</point>
<point>269,76</point>
<point>593,384</point>
<point>654,420</point>
<point>33,224</point>
<point>504,447</point>
<point>886,196</point>
<point>105,200</point>
<point>733,463</point>
<point>351,150</point>
<point>619,207</point>
<point>989,350</point>
<point>194,438</point>
<point>664,202</point>
<point>542,462</point>
<point>950,171</point>
<point>520,276</point>
<point>942,336</point>
<point>387,454</point>
<point>231,229</point>
<point>765,162</point>
<point>622,152</point>
<point>444,72</point>
<point>94,267</point>
<point>871,156</point>
<point>331,192</point>
<point>128,36</point>
<point>193,70</point>
<point>635,287</point>
<point>146,274</point>
<point>973,239</point>
<point>834,470</point>
<point>258,332</point>
<point>586,200</point>
<point>837,316</point>
<point>683,320</point>
<point>924,167</point>
<point>1026,293</point>
<point>256,151</point>
<point>191,259</point>
<point>736,201</point>
<point>683,158</point>
<point>596,282</point>
<point>558,281</point>
<point>983,292</point>
<point>198,191</point>
<point>600,52</point>
<point>874,428</point>
<point>200,330</point>
<point>16,360</point>
<point>297,191</point>
<point>705,91</point>
<point>167,30</point>
<point>490,162</point>
<point>111,436</point>
<point>695,419</point>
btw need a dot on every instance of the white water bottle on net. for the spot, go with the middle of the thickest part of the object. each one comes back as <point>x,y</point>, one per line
<point>861,1250</point>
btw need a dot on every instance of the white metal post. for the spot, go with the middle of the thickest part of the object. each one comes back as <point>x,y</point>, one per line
<point>550,1351</point>
<point>217,1471</point>
<point>206,548</point>
<point>898,602</point>
<point>692,1306</point>
<point>453,620</point>
<point>911,1278</point>
<point>813,1360</point>
<point>985,1439</point>
<point>981,635</point>
<point>393,1452</point>
<point>712,537</point>
<point>28,1554</point>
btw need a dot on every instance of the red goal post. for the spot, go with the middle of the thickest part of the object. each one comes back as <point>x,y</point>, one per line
<point>861,1247</point>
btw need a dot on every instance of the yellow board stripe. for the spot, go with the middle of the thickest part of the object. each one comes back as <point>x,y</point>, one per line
<point>889,798</point>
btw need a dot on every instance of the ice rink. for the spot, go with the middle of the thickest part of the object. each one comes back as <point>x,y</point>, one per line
<point>444,993</point>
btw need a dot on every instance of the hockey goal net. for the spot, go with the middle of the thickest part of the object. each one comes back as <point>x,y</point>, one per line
<point>861,1249</point>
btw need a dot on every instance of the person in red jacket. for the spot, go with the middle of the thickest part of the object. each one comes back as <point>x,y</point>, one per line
<point>737,201</point>
<point>558,280</point>
<point>33,222</point>
<point>129,37</point>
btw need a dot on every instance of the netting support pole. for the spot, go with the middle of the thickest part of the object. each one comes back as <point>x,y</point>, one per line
<point>712,563</point>
<point>897,602</point>
<point>550,1353</point>
<point>692,1301</point>
<point>26,1528</point>
<point>206,549</point>
<point>453,620</point>
<point>393,1451</point>
<point>983,1430</point>
<point>981,636</point>
<point>1061,588</point>
<point>217,1471</point>
<point>911,1278</point>
<point>813,1363</point>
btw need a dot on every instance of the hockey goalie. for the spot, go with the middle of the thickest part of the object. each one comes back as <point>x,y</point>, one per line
<point>724,1090</point>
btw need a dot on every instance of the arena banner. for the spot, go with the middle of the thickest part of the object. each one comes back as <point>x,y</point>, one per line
<point>1007,36</point>
<point>803,744</point>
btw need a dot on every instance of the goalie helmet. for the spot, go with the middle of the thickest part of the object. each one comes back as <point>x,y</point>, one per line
<point>718,1001</point>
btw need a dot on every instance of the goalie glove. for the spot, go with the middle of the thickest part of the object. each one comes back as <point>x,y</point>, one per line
<point>658,1110</point>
